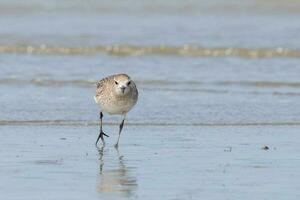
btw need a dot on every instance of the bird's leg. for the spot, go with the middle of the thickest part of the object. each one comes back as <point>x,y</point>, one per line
<point>101,131</point>
<point>120,130</point>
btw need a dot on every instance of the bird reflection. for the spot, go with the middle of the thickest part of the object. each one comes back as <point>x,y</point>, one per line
<point>117,178</point>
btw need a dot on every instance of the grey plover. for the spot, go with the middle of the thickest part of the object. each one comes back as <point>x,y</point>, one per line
<point>116,95</point>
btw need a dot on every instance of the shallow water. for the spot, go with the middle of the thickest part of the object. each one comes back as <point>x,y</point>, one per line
<point>184,162</point>
<point>217,82</point>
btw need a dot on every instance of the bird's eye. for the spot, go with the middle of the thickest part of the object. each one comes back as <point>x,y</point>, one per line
<point>129,82</point>
<point>116,83</point>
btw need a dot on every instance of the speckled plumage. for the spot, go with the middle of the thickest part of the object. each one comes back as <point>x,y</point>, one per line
<point>109,101</point>
<point>115,95</point>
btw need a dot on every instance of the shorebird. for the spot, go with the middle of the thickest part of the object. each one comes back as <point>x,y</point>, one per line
<point>115,95</point>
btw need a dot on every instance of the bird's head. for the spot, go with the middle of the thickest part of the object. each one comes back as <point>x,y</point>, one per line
<point>122,84</point>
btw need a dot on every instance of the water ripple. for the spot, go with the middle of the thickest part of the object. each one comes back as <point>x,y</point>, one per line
<point>14,80</point>
<point>161,50</point>
<point>96,123</point>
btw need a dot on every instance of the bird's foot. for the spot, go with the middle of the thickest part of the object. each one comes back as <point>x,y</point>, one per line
<point>102,133</point>
<point>101,136</point>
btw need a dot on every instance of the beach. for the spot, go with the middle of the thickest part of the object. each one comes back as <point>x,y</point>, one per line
<point>218,111</point>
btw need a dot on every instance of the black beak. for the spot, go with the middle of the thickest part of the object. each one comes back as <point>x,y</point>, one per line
<point>123,89</point>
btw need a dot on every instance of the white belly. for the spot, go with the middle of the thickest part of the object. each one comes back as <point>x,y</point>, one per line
<point>115,108</point>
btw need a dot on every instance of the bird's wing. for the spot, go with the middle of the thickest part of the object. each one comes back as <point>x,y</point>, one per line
<point>101,86</point>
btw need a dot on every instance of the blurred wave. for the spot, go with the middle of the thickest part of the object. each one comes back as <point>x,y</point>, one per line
<point>161,50</point>
<point>276,88</point>
<point>96,123</point>
<point>150,7</point>
<point>88,83</point>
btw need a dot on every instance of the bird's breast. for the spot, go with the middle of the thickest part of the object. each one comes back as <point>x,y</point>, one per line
<point>113,106</point>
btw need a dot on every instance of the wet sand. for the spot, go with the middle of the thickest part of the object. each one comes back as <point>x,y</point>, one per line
<point>182,162</point>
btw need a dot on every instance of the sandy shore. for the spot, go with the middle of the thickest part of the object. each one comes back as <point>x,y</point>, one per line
<point>183,162</point>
